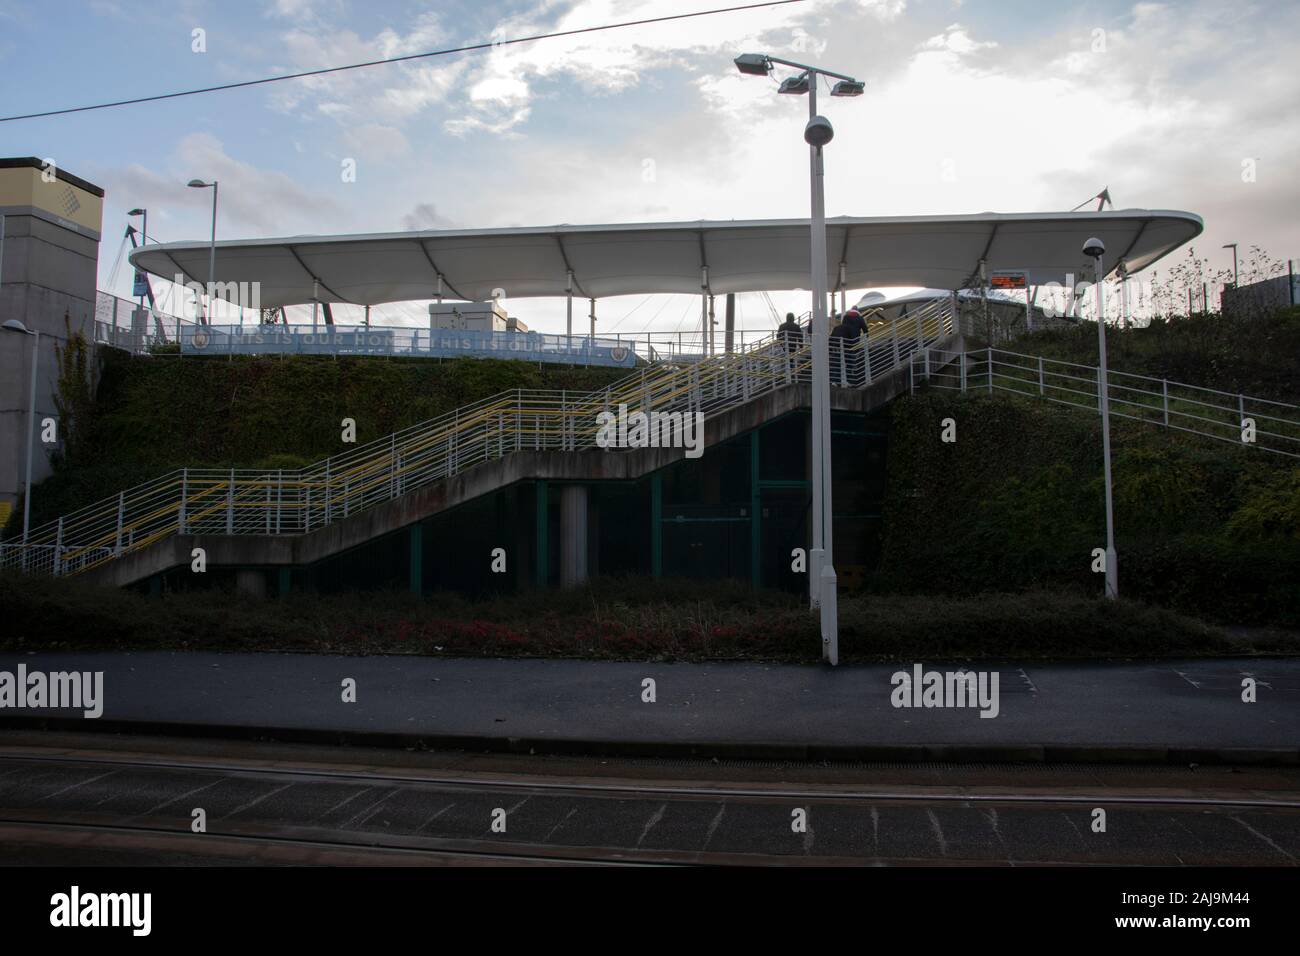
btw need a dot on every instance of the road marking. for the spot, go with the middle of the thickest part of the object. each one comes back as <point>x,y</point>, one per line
<point>434,817</point>
<point>1259,836</point>
<point>1188,679</point>
<point>74,786</point>
<point>1025,677</point>
<point>938,832</point>
<point>255,802</point>
<point>1261,683</point>
<point>188,793</point>
<point>547,838</point>
<point>722,808</point>
<point>655,818</point>
<point>342,803</point>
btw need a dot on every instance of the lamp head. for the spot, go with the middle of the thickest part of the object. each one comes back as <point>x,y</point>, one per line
<point>818,132</point>
<point>753,64</point>
<point>1094,248</point>
<point>796,85</point>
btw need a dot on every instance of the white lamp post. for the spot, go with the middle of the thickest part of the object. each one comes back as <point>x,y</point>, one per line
<point>1095,249</point>
<point>212,250</point>
<point>13,325</point>
<point>817,133</point>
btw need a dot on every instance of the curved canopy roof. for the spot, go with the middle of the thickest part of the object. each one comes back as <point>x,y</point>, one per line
<point>641,258</point>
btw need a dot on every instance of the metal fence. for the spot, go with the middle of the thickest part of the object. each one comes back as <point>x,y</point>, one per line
<point>122,324</point>
<point>259,502</point>
<point>1240,419</point>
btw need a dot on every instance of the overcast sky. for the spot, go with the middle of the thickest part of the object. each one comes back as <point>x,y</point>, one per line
<point>974,106</point>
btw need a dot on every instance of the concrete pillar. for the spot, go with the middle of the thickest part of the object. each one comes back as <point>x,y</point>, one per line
<point>250,582</point>
<point>656,524</point>
<point>415,566</point>
<point>573,535</point>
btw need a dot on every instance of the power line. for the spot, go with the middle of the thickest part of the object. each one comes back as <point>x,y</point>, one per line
<point>397,59</point>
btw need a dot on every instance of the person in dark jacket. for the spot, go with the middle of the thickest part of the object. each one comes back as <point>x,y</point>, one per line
<point>855,348</point>
<point>790,334</point>
<point>841,338</point>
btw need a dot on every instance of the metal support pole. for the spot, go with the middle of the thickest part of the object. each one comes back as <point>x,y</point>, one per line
<point>31,437</point>
<point>984,300</point>
<point>990,355</point>
<point>713,338</point>
<point>117,539</point>
<point>58,549</point>
<point>1123,296</point>
<point>568,312</point>
<point>315,301</point>
<point>1164,398</point>
<point>230,504</point>
<point>824,510</point>
<point>1040,376</point>
<point>1103,394</point>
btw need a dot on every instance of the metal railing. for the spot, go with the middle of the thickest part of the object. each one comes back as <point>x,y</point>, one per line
<point>261,502</point>
<point>120,323</point>
<point>1226,416</point>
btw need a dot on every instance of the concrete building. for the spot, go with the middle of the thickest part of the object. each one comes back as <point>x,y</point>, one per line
<point>50,224</point>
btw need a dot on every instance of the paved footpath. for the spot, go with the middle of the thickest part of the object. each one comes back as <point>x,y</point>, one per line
<point>1170,709</point>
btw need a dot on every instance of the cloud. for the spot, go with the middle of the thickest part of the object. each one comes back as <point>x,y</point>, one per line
<point>426,216</point>
<point>376,142</point>
<point>252,201</point>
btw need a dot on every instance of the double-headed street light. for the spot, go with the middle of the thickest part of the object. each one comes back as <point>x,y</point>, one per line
<point>212,250</point>
<point>817,133</point>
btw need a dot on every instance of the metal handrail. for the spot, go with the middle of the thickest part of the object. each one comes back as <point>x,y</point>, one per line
<point>234,501</point>
<point>1208,412</point>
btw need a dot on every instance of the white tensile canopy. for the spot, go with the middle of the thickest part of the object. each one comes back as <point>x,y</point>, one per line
<point>942,252</point>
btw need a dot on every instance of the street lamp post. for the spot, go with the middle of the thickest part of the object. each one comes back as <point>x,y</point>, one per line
<point>212,249</point>
<point>822,584</point>
<point>13,325</point>
<point>1233,247</point>
<point>144,239</point>
<point>1095,249</point>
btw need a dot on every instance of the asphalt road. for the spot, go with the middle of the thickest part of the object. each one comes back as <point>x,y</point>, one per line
<point>73,801</point>
<point>1160,704</point>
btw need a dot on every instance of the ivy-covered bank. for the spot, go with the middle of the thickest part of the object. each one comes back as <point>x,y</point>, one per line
<point>149,415</point>
<point>1016,502</point>
<point>1254,355</point>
